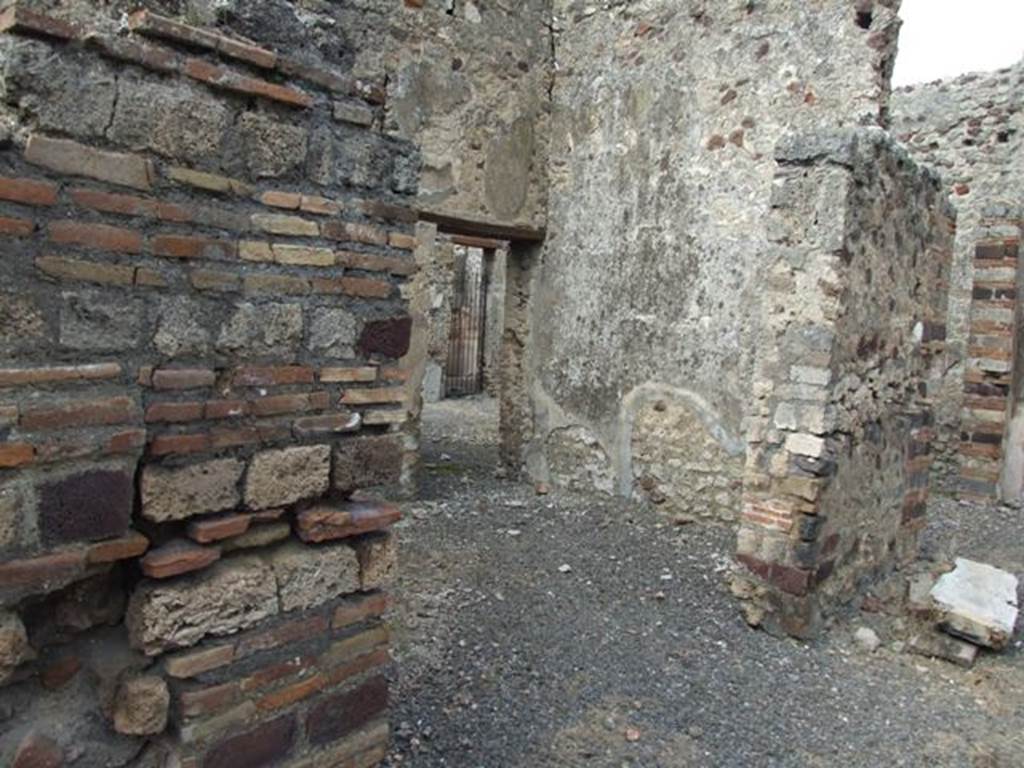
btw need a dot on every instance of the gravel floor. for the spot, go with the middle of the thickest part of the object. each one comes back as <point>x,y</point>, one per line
<point>573,630</point>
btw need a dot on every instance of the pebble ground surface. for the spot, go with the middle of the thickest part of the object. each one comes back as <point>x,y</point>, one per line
<point>537,631</point>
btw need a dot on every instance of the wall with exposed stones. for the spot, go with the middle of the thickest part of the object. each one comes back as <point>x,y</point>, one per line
<point>205,341</point>
<point>851,340</point>
<point>644,309</point>
<point>971,131</point>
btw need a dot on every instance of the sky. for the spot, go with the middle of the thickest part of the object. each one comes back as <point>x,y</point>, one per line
<point>945,38</point>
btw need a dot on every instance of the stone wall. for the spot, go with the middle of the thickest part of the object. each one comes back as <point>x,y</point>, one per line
<point>971,131</point>
<point>645,307</point>
<point>205,335</point>
<point>851,339</point>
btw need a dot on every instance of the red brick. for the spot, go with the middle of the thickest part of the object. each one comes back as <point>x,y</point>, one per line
<point>290,694</point>
<point>72,158</point>
<point>247,52</point>
<point>27,191</point>
<point>329,424</point>
<point>86,271</point>
<point>126,442</point>
<point>366,662</point>
<point>272,406</point>
<point>10,377</point>
<point>226,409</point>
<point>174,412</point>
<point>190,247</point>
<point>253,376</point>
<point>357,610</point>
<point>232,438</point>
<point>196,662</point>
<point>366,288</point>
<point>402,241</point>
<point>372,262</point>
<point>16,227</point>
<point>100,236</point>
<point>177,557</point>
<point>42,573</point>
<point>352,232</point>
<point>154,25</point>
<point>341,521</point>
<point>288,200</point>
<point>133,51</point>
<point>183,378</point>
<point>124,548</point>
<point>210,529</point>
<point>284,634</point>
<point>374,396</point>
<point>220,77</point>
<point>163,445</point>
<point>16,455</point>
<point>267,744</point>
<point>17,18</point>
<point>380,210</point>
<point>337,716</point>
<point>115,410</point>
<point>207,700</point>
<point>129,205</point>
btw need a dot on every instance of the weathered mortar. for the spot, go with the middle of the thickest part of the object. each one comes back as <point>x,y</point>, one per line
<point>645,306</point>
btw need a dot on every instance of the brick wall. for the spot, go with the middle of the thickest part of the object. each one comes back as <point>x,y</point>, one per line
<point>205,337</point>
<point>836,479</point>
<point>969,130</point>
<point>990,459</point>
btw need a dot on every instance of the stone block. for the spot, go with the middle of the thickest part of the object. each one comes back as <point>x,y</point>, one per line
<point>271,148</point>
<point>366,462</point>
<point>978,603</point>
<point>378,558</point>
<point>169,117</point>
<point>180,331</point>
<point>939,646</point>
<point>281,477</point>
<point>176,493</point>
<point>97,322</point>
<point>86,506</point>
<point>262,330</point>
<point>333,333</point>
<point>21,323</point>
<point>231,596</point>
<point>14,647</point>
<point>17,514</point>
<point>141,706</point>
<point>310,576</point>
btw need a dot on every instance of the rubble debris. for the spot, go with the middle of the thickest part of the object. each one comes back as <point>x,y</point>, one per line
<point>978,603</point>
<point>867,639</point>
<point>940,646</point>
